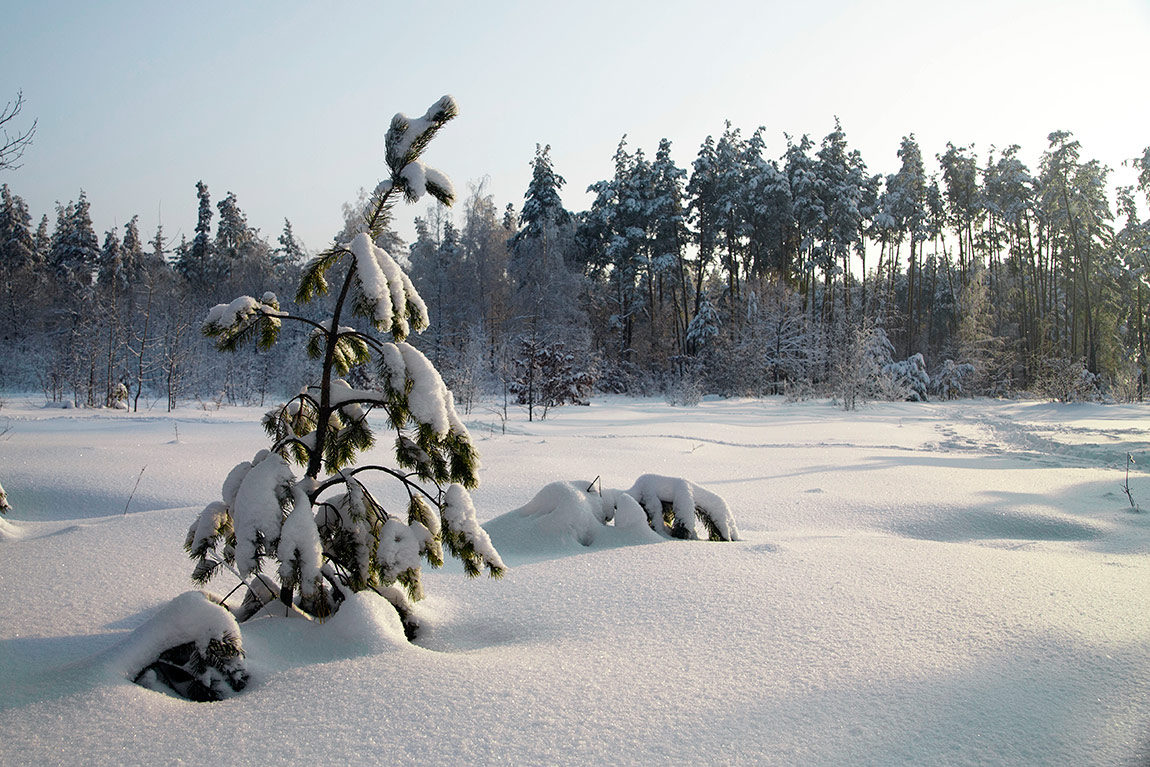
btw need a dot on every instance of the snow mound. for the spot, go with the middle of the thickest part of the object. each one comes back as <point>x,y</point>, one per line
<point>366,624</point>
<point>192,619</point>
<point>8,531</point>
<point>568,518</point>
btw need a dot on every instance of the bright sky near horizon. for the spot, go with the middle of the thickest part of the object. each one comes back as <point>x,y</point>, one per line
<point>286,103</point>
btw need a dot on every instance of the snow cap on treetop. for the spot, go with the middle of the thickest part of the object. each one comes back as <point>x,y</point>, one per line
<point>405,141</point>
<point>406,133</point>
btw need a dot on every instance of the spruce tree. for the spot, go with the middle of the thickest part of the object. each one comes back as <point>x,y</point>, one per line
<point>909,190</point>
<point>768,209</point>
<point>157,260</point>
<point>807,211</point>
<point>18,263</point>
<point>17,245</point>
<point>542,205</point>
<point>42,241</point>
<point>842,179</point>
<point>75,247</point>
<point>331,531</point>
<point>290,251</point>
<point>195,262</point>
<point>111,274</point>
<point>132,251</point>
<point>669,223</point>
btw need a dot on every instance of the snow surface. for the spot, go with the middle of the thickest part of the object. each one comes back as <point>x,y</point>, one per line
<point>914,583</point>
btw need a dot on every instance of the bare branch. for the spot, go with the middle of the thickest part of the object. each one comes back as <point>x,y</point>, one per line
<point>12,146</point>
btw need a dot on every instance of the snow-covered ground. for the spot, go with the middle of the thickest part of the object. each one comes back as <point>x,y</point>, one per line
<point>943,583</point>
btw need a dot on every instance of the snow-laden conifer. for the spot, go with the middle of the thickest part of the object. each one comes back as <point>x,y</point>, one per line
<point>672,503</point>
<point>909,378</point>
<point>947,382</point>
<point>332,530</point>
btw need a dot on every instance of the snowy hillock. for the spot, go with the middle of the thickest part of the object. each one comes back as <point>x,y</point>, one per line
<point>567,517</point>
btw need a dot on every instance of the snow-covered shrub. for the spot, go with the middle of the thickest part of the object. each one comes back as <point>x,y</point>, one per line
<point>673,503</point>
<point>909,378</point>
<point>798,390</point>
<point>683,392</point>
<point>947,381</point>
<point>1067,380</point>
<point>5,507</point>
<point>574,514</point>
<point>7,529</point>
<point>119,397</point>
<point>191,647</point>
<point>331,531</point>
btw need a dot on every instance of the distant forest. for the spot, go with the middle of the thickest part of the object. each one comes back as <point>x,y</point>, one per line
<point>805,275</point>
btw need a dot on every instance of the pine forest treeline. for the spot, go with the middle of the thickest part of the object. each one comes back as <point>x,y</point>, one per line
<point>742,274</point>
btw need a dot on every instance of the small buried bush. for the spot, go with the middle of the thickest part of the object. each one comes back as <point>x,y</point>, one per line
<point>571,516</point>
<point>190,648</point>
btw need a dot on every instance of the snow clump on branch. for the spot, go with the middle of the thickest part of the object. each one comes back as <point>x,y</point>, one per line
<point>386,294</point>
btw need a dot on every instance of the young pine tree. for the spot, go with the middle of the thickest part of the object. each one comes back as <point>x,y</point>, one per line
<point>332,530</point>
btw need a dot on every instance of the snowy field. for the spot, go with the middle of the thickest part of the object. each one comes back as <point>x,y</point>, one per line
<point>915,584</point>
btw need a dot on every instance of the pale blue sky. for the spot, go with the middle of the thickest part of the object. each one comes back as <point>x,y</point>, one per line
<point>285,103</point>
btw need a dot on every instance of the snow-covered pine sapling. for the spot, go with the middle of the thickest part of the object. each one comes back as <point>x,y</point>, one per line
<point>331,530</point>
<point>191,646</point>
<point>5,507</point>
<point>582,513</point>
<point>673,503</point>
<point>547,376</point>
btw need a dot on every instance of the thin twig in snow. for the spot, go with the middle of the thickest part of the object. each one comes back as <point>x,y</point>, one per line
<point>133,493</point>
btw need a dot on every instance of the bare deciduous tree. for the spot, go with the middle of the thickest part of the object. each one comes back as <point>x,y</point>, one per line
<point>12,145</point>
